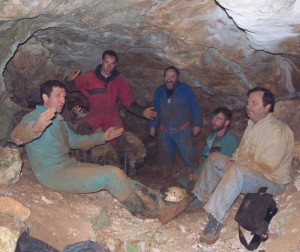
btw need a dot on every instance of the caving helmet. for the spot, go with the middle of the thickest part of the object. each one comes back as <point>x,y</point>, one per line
<point>79,112</point>
<point>175,194</point>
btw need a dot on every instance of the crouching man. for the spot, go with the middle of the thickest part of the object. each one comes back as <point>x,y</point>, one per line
<point>48,141</point>
<point>263,159</point>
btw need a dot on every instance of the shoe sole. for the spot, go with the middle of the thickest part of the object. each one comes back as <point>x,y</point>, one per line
<point>209,239</point>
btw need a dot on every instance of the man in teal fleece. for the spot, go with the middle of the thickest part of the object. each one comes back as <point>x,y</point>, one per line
<point>221,140</point>
<point>48,140</point>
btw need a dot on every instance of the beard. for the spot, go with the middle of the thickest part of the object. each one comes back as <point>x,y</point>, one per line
<point>170,85</point>
<point>215,128</point>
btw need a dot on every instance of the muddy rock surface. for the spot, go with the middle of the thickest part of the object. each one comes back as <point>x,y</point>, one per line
<point>61,219</point>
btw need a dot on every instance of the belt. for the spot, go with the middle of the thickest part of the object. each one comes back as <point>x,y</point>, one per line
<point>175,130</point>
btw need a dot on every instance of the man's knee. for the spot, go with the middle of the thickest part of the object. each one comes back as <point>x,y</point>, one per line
<point>217,159</point>
<point>238,170</point>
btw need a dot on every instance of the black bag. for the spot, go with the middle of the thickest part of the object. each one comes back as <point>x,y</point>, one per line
<point>255,214</point>
<point>27,243</point>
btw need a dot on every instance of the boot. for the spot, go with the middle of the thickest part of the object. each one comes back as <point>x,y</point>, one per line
<point>211,232</point>
<point>144,202</point>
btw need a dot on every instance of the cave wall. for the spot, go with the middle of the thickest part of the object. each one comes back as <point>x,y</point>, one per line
<point>222,48</point>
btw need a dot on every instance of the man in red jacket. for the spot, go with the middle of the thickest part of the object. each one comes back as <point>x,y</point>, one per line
<point>103,87</point>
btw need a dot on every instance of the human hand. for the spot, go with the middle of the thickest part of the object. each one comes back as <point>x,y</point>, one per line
<point>152,131</point>
<point>194,176</point>
<point>43,121</point>
<point>112,133</point>
<point>196,130</point>
<point>149,113</point>
<point>73,74</point>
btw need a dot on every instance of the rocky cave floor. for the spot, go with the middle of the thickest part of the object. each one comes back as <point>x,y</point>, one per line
<point>61,219</point>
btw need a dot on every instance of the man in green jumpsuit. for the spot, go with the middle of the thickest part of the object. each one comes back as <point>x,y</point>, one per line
<point>48,141</point>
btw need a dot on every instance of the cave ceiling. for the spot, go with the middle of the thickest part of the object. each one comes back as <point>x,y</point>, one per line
<point>222,48</point>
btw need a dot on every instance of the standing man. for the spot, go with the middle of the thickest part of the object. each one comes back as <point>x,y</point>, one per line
<point>173,103</point>
<point>103,87</point>
<point>48,140</point>
<point>263,159</point>
<point>222,140</point>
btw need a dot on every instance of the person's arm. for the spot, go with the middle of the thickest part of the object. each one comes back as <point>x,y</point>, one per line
<point>86,142</point>
<point>131,105</point>
<point>27,131</point>
<point>279,147</point>
<point>70,79</point>
<point>137,109</point>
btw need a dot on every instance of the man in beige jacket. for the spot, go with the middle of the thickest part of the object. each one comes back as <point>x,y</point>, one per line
<point>263,159</point>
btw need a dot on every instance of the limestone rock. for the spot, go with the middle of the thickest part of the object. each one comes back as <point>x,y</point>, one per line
<point>101,221</point>
<point>10,165</point>
<point>14,208</point>
<point>7,110</point>
<point>289,112</point>
<point>8,239</point>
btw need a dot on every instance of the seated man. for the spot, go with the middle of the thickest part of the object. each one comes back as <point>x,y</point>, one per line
<point>222,140</point>
<point>263,159</point>
<point>48,140</point>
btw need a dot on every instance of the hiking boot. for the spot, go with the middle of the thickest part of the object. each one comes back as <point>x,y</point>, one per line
<point>144,203</point>
<point>211,232</point>
<point>194,203</point>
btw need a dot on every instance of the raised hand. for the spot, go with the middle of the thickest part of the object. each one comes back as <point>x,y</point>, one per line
<point>73,74</point>
<point>44,120</point>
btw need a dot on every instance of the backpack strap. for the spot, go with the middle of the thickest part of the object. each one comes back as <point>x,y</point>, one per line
<point>262,190</point>
<point>256,240</point>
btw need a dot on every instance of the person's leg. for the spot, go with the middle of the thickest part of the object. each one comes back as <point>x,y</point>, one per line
<point>144,202</point>
<point>210,176</point>
<point>86,177</point>
<point>186,149</point>
<point>135,197</point>
<point>236,180</point>
<point>166,149</point>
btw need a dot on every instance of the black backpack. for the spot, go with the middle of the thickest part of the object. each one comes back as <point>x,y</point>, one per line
<point>255,214</point>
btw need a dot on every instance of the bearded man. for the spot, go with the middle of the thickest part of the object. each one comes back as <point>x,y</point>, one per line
<point>222,140</point>
<point>173,103</point>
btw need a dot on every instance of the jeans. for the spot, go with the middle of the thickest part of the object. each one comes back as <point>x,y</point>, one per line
<point>220,189</point>
<point>182,139</point>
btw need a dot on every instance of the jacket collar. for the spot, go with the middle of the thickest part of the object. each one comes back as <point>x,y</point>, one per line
<point>115,73</point>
